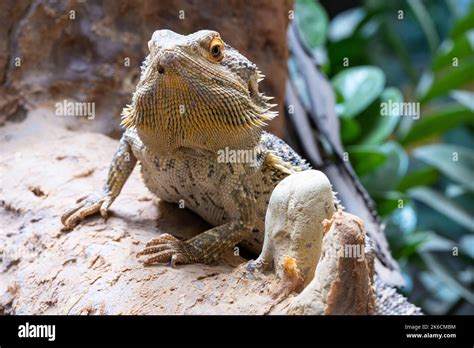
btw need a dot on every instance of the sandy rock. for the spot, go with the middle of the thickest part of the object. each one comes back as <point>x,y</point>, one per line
<point>294,225</point>
<point>93,269</point>
<point>343,281</point>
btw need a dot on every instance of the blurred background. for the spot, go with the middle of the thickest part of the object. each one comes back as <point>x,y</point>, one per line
<point>349,56</point>
<point>419,172</point>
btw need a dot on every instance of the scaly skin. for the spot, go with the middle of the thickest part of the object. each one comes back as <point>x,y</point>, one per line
<point>191,105</point>
<point>198,97</point>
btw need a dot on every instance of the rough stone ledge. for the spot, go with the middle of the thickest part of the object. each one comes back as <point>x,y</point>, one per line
<point>93,269</point>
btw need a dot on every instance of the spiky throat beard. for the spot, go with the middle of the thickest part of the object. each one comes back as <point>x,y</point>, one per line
<point>197,109</point>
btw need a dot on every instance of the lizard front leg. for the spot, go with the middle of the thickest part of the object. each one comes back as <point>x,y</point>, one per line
<point>209,246</point>
<point>121,167</point>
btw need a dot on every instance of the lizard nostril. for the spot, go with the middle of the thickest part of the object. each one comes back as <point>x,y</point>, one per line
<point>160,69</point>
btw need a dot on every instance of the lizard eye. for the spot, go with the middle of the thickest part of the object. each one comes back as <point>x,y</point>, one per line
<point>216,49</point>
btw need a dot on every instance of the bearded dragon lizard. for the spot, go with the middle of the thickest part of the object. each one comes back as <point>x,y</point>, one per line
<point>198,99</point>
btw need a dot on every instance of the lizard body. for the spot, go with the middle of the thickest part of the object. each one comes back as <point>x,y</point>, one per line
<point>197,100</point>
<point>197,180</point>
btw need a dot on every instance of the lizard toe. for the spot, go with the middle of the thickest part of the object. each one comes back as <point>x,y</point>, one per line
<point>155,249</point>
<point>78,213</point>
<point>104,207</point>
<point>164,256</point>
<point>69,212</point>
<point>166,248</point>
<point>165,238</point>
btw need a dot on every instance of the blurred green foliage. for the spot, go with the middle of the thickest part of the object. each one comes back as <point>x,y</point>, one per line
<point>420,171</point>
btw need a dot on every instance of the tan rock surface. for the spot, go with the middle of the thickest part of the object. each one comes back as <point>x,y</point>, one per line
<point>93,269</point>
<point>294,224</point>
<point>343,281</point>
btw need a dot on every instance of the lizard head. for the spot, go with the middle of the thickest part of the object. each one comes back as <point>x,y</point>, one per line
<point>196,90</point>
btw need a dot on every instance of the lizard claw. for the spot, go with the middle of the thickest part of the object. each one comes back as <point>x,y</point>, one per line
<point>86,206</point>
<point>167,248</point>
<point>104,207</point>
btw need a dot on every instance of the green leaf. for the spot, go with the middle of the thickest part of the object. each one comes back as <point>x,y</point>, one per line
<point>464,98</point>
<point>392,39</point>
<point>350,130</point>
<point>453,191</point>
<point>425,83</point>
<point>365,159</point>
<point>443,205</point>
<point>435,242</point>
<point>467,245</point>
<point>345,24</point>
<point>387,176</point>
<point>422,177</point>
<point>426,22</point>
<point>431,219</point>
<point>463,24</point>
<point>402,220</point>
<point>445,274</point>
<point>438,122</point>
<point>411,245</point>
<point>381,126</point>
<point>450,78</point>
<point>387,202</point>
<point>454,161</point>
<point>359,87</point>
<point>455,8</point>
<point>312,21</point>
<point>462,136</point>
<point>439,298</point>
<point>461,48</point>
<point>337,52</point>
